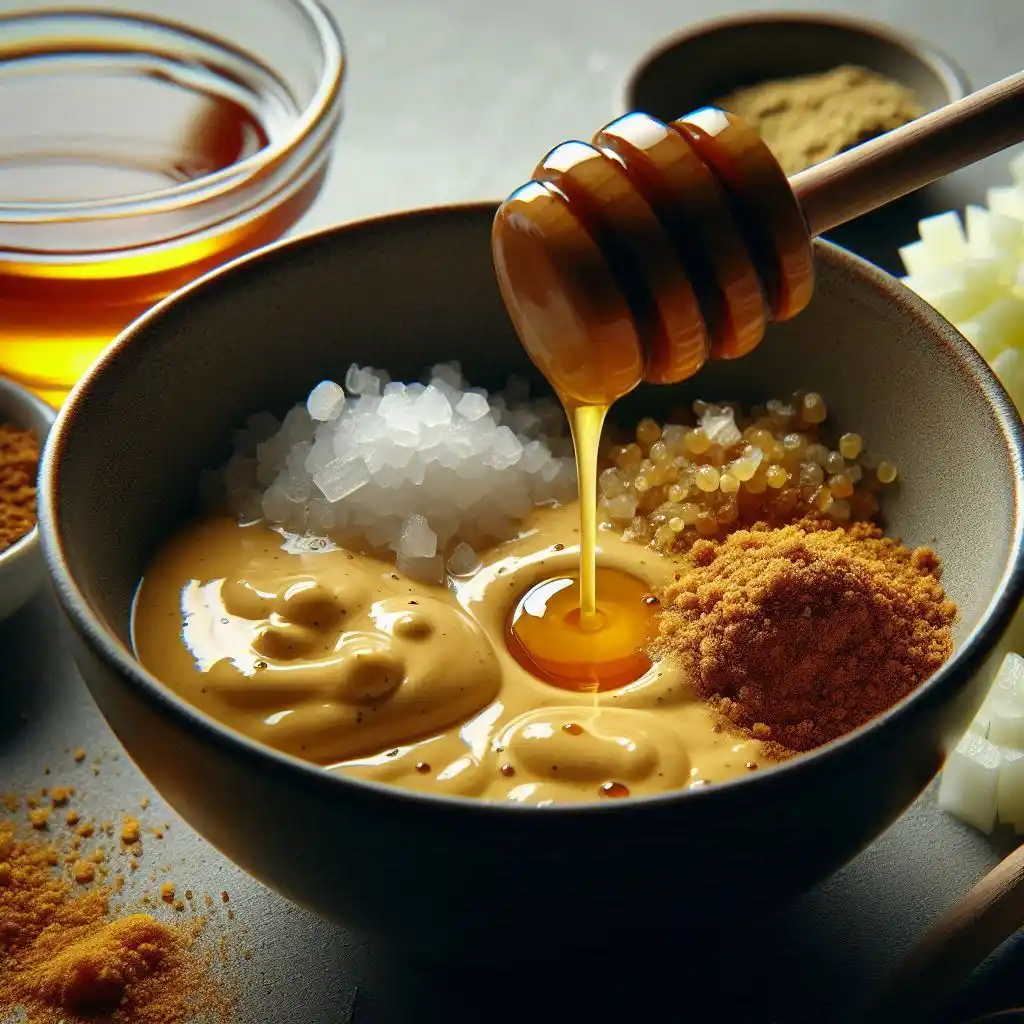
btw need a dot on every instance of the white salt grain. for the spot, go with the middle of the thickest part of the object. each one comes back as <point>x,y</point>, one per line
<point>464,560</point>
<point>432,408</point>
<point>325,401</point>
<point>417,539</point>
<point>472,406</point>
<point>429,570</point>
<point>339,479</point>
<point>720,425</point>
<point>430,471</point>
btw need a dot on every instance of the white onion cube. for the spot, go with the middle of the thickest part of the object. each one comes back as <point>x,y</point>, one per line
<point>969,782</point>
<point>1010,789</point>
<point>944,235</point>
<point>1005,199</point>
<point>1005,704</point>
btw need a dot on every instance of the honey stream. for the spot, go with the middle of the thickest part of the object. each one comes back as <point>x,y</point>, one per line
<point>586,422</point>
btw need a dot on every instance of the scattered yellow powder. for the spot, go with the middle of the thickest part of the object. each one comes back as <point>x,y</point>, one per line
<point>60,795</point>
<point>64,961</point>
<point>130,830</point>
<point>167,892</point>
<point>79,755</point>
<point>84,871</point>
<point>39,817</point>
<point>72,818</point>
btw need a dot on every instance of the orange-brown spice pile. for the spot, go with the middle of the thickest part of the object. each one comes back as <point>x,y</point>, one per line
<point>65,961</point>
<point>800,634</point>
<point>19,462</point>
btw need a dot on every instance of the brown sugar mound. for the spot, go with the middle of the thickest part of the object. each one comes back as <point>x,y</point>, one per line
<point>19,461</point>
<point>800,634</point>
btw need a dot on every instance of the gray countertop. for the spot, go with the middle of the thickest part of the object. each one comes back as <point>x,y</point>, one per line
<point>449,100</point>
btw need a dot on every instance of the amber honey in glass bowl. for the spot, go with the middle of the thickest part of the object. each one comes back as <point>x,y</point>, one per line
<point>140,149</point>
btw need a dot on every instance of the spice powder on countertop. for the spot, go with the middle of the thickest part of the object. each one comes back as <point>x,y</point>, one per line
<point>65,959</point>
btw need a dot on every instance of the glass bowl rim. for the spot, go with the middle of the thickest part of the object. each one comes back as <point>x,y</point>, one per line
<point>320,109</point>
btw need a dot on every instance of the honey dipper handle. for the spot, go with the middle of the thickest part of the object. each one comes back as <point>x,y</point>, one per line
<point>910,157</point>
<point>958,942</point>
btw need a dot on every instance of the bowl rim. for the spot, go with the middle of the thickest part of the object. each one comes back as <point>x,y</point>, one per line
<point>31,411</point>
<point>321,108</point>
<point>952,76</point>
<point>314,778</point>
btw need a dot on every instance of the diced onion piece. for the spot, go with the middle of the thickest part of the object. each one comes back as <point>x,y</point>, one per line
<point>979,727</point>
<point>1010,789</point>
<point>1006,233</point>
<point>979,232</point>
<point>969,782</point>
<point>1005,199</point>
<point>972,272</point>
<point>1005,704</point>
<point>920,259</point>
<point>944,235</point>
<point>1010,676</point>
<point>982,720</point>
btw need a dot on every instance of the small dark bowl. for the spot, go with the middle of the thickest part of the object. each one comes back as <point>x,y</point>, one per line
<point>455,877</point>
<point>710,60</point>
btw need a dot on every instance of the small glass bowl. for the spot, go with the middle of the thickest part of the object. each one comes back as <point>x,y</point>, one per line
<point>138,151</point>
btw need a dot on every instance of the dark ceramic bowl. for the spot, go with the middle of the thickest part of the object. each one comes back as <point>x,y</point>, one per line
<point>456,877</point>
<point>711,59</point>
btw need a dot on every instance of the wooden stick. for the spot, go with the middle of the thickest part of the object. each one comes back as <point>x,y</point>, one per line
<point>908,158</point>
<point>958,942</point>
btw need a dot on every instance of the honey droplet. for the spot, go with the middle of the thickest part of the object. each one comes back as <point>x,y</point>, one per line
<point>422,767</point>
<point>651,601</point>
<point>545,635</point>
<point>751,765</point>
<point>507,770</point>
<point>614,789</point>
<point>573,728</point>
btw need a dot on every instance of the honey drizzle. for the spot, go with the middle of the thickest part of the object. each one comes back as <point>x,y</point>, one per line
<point>586,423</point>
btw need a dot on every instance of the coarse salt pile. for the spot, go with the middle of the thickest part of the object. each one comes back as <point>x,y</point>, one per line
<point>429,471</point>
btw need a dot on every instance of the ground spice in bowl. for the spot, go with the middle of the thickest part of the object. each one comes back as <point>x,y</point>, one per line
<point>19,462</point>
<point>800,634</point>
<point>808,119</point>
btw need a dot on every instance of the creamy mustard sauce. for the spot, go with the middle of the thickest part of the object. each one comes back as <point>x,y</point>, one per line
<point>335,657</point>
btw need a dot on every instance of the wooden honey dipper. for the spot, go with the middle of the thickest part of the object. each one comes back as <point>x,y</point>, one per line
<point>658,246</point>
